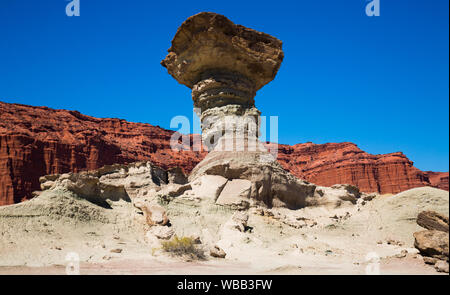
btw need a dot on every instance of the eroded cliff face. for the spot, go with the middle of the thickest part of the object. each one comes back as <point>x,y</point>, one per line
<point>332,163</point>
<point>438,179</point>
<point>37,141</point>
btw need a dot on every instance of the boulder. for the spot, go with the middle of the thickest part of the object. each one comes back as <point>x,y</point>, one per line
<point>208,186</point>
<point>161,232</point>
<point>217,252</point>
<point>433,221</point>
<point>236,193</point>
<point>441,266</point>
<point>432,243</point>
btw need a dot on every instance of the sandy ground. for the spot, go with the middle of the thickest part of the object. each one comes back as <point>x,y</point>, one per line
<point>390,266</point>
<point>36,236</point>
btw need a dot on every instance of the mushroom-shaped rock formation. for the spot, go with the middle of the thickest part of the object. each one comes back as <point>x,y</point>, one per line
<point>225,64</point>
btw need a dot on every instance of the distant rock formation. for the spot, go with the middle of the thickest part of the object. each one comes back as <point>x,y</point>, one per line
<point>438,179</point>
<point>332,163</point>
<point>37,141</point>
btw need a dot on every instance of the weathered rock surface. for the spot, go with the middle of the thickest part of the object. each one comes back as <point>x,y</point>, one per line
<point>37,141</point>
<point>257,177</point>
<point>433,220</point>
<point>432,243</point>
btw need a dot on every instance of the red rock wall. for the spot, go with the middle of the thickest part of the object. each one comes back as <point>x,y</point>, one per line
<point>36,141</point>
<point>438,179</point>
<point>332,163</point>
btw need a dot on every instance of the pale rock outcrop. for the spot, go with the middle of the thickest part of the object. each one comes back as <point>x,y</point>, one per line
<point>270,183</point>
<point>139,183</point>
<point>236,193</point>
<point>208,186</point>
<point>232,233</point>
<point>335,196</point>
<point>110,182</point>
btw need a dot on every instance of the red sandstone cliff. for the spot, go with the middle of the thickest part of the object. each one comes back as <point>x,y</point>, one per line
<point>438,179</point>
<point>331,163</point>
<point>36,141</point>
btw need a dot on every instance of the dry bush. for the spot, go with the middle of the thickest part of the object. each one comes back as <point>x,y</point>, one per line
<point>183,246</point>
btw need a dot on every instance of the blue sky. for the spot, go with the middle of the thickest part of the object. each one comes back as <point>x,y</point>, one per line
<point>380,82</point>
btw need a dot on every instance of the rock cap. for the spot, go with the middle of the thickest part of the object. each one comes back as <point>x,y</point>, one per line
<point>209,41</point>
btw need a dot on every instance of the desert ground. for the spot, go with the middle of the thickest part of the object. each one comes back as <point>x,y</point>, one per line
<point>38,235</point>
